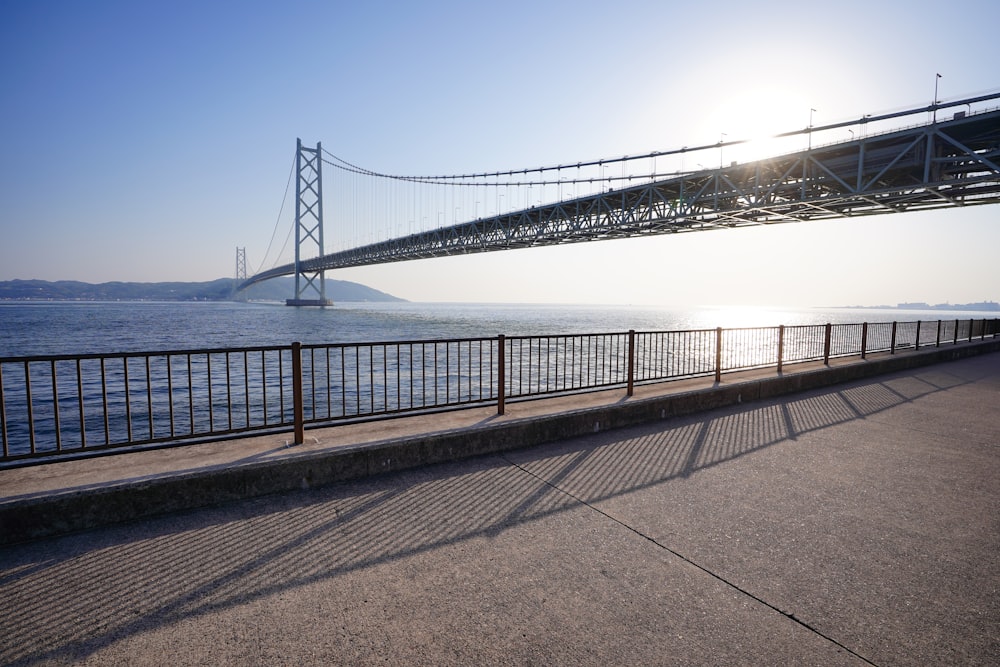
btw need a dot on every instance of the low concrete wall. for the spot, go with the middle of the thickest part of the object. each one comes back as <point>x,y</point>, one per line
<point>75,510</point>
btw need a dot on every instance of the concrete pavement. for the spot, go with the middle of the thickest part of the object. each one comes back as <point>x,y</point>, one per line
<point>853,524</point>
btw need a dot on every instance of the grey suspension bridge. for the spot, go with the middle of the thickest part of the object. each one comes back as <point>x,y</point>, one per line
<point>935,164</point>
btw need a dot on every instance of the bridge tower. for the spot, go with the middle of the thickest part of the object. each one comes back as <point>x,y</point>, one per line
<point>241,274</point>
<point>310,286</point>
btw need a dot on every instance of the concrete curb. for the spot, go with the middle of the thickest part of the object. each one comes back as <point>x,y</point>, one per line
<point>80,509</point>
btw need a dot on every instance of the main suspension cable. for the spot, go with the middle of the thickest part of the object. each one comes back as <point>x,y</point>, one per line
<point>274,233</point>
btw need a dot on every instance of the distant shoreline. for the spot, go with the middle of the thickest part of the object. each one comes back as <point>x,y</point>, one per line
<point>219,290</point>
<point>984,306</point>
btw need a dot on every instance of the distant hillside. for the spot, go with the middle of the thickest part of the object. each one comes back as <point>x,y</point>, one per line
<point>278,289</point>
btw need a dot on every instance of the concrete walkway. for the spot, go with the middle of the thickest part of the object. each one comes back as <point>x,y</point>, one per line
<point>856,524</point>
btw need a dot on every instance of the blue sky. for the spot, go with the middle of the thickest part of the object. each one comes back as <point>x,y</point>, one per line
<point>145,141</point>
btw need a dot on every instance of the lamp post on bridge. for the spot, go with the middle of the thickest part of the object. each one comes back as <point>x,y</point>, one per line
<point>937,77</point>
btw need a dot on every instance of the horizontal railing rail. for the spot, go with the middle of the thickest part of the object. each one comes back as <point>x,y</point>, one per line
<point>71,405</point>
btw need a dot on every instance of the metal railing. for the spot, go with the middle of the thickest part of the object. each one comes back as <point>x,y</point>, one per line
<point>67,405</point>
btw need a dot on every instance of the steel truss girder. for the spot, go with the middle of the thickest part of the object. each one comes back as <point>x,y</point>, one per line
<point>947,164</point>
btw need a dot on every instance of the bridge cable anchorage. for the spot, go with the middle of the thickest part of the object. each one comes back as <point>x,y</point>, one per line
<point>955,162</point>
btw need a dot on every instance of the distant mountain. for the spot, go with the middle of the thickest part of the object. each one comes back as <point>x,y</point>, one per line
<point>277,289</point>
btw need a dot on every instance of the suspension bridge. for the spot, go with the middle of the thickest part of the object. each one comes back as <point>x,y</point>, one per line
<point>949,156</point>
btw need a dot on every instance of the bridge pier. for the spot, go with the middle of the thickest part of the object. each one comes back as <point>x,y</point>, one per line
<point>309,302</point>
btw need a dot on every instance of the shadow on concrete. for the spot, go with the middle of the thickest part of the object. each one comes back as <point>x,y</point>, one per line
<point>65,598</point>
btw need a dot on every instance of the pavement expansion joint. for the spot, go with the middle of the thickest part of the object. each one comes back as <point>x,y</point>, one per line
<point>789,615</point>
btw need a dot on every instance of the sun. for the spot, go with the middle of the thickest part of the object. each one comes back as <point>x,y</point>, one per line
<point>753,116</point>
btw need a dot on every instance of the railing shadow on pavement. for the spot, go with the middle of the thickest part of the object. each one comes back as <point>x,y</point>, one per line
<point>66,598</point>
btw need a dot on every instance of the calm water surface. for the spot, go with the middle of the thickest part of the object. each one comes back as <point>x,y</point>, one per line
<point>36,328</point>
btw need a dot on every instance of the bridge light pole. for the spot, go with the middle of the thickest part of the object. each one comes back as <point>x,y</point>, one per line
<point>937,77</point>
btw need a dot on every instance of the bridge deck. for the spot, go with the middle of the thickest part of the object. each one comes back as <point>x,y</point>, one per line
<point>951,163</point>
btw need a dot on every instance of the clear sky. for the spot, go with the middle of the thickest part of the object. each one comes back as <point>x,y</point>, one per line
<point>145,141</point>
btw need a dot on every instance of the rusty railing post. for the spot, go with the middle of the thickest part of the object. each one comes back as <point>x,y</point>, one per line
<point>298,411</point>
<point>502,372</point>
<point>781,345</point>
<point>826,344</point>
<point>631,361</point>
<point>718,354</point>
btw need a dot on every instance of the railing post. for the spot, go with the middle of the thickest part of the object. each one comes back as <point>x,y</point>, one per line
<point>938,343</point>
<point>971,320</point>
<point>298,412</point>
<point>864,339</point>
<point>502,371</point>
<point>781,345</point>
<point>982,332</point>
<point>631,361</point>
<point>826,344</point>
<point>892,341</point>
<point>718,354</point>
<point>955,342</point>
<point>916,341</point>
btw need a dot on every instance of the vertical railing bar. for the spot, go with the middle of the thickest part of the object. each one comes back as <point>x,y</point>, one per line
<point>781,346</point>
<point>631,362</point>
<point>281,386</point>
<point>3,418</point>
<point>357,376</point>
<point>447,373</point>
<point>55,405</point>
<point>208,381</point>
<point>170,394</point>
<point>409,352</point>
<point>263,384</point>
<point>343,382</point>
<point>104,403</point>
<point>31,412</point>
<point>501,379</point>
<point>892,340</point>
<point>826,343</point>
<point>79,396</point>
<point>190,391</point>
<point>246,388</point>
<point>399,376</point>
<point>298,411</point>
<point>329,384</point>
<point>312,382</point>
<point>718,354</point>
<point>128,400</point>
<point>371,377</point>
<point>937,340</point>
<point>149,396</point>
<point>229,387</point>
